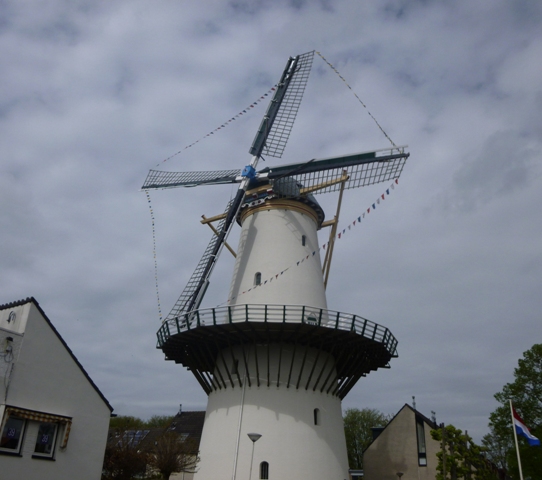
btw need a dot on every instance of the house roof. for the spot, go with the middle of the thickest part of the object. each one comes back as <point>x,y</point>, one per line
<point>429,422</point>
<point>188,423</point>
<point>142,438</point>
<point>37,305</point>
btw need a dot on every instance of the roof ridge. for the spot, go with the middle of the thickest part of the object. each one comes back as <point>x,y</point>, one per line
<point>55,331</point>
<point>18,303</point>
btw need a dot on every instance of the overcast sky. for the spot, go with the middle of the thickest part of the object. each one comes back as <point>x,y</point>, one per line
<point>95,93</point>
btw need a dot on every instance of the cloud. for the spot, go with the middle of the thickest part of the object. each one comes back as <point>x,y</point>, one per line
<point>505,165</point>
<point>96,93</point>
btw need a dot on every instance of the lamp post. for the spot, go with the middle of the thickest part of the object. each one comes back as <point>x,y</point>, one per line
<point>254,437</point>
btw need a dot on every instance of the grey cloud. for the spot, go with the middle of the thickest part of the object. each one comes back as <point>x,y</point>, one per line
<point>503,166</point>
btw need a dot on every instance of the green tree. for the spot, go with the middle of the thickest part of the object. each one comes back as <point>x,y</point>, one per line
<point>357,430</point>
<point>526,394</point>
<point>172,454</point>
<point>460,457</point>
<point>159,421</point>
<point>123,460</point>
<point>497,448</point>
<point>124,422</point>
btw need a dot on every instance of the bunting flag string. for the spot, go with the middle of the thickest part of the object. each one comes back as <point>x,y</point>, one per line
<point>224,125</point>
<point>340,235</point>
<point>154,254</point>
<point>359,99</point>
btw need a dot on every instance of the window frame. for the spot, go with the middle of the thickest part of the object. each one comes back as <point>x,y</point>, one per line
<point>51,454</point>
<point>421,442</point>
<point>264,470</point>
<point>14,451</point>
<point>317,417</point>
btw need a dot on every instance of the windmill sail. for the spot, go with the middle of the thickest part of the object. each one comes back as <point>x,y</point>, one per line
<point>162,179</point>
<point>296,74</point>
<point>363,169</point>
<point>193,287</point>
<point>279,119</point>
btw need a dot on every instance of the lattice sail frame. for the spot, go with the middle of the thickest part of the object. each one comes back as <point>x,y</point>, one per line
<point>363,169</point>
<point>280,132</point>
<point>191,287</point>
<point>163,179</point>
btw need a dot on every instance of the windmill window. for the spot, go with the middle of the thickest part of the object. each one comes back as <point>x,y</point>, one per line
<point>258,278</point>
<point>12,436</point>
<point>303,240</point>
<point>235,366</point>
<point>264,471</point>
<point>317,416</point>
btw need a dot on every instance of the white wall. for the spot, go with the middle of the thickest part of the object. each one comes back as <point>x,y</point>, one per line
<point>270,242</point>
<point>294,447</point>
<point>47,379</point>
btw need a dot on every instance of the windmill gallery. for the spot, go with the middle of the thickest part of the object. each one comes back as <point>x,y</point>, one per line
<point>275,362</point>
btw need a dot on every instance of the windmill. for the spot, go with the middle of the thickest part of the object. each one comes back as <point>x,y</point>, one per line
<point>275,360</point>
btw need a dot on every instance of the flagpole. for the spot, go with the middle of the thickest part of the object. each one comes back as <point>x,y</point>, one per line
<point>516,439</point>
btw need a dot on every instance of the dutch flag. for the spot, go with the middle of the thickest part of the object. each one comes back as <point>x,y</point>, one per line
<point>521,429</point>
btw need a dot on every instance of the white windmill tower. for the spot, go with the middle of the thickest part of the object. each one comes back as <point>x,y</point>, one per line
<point>275,362</point>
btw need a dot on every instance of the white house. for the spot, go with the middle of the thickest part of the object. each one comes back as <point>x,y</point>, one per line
<point>54,420</point>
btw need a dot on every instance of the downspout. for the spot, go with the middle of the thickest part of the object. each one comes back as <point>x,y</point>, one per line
<point>234,474</point>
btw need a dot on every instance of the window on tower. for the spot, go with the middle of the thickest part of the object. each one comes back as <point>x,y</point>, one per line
<point>264,471</point>
<point>258,278</point>
<point>303,240</point>
<point>317,416</point>
<point>235,366</point>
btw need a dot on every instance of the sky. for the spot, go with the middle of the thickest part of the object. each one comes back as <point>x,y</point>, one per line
<point>96,93</point>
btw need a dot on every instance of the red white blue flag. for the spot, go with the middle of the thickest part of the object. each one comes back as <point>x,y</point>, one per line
<point>523,430</point>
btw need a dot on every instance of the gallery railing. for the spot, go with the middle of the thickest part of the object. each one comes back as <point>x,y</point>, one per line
<point>317,317</point>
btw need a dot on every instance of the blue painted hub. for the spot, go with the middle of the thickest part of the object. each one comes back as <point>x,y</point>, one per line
<point>249,172</point>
